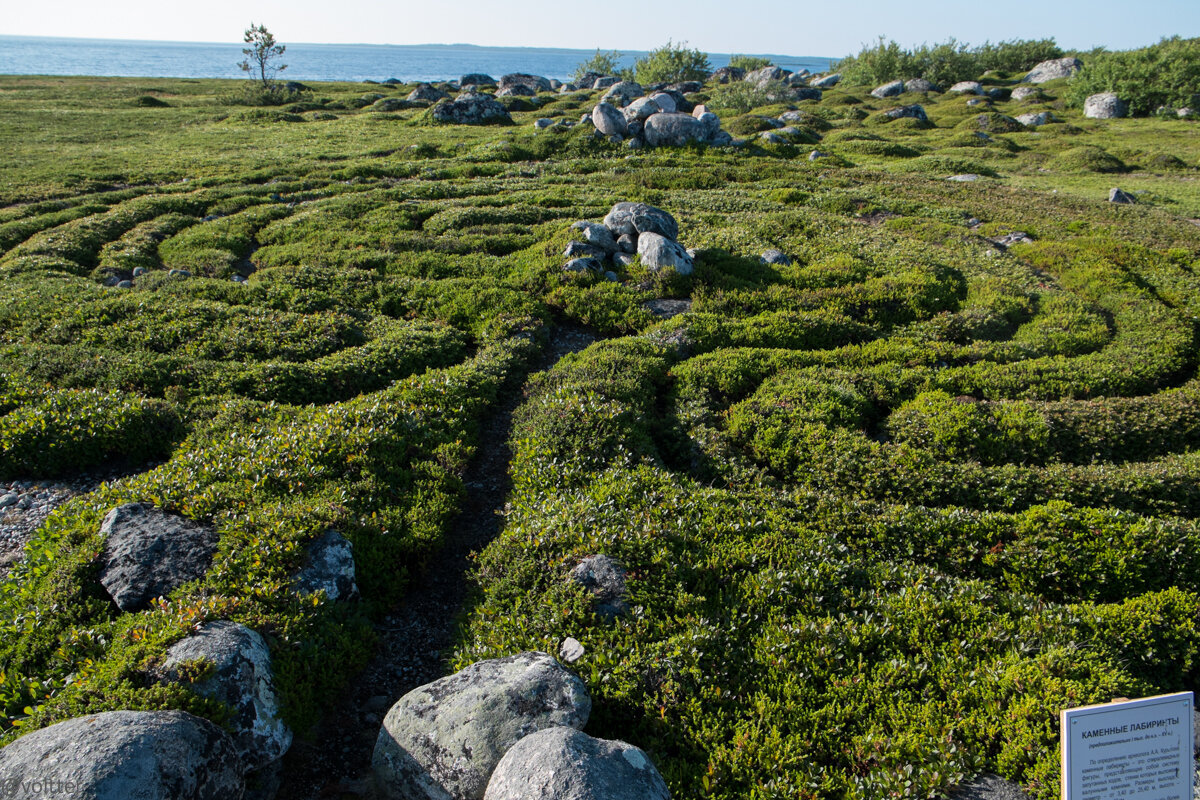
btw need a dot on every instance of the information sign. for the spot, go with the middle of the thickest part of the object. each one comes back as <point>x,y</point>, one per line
<point>1129,750</point>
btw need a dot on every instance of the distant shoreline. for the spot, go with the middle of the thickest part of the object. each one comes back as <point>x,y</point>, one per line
<point>138,58</point>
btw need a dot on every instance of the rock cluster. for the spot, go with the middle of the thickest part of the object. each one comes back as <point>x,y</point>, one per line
<point>505,729</point>
<point>662,118</point>
<point>471,108</point>
<point>628,229</point>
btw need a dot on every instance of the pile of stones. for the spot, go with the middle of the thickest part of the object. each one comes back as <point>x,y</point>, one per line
<point>628,229</point>
<point>665,117</point>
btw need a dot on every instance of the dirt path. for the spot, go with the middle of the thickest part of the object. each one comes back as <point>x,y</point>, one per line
<point>414,640</point>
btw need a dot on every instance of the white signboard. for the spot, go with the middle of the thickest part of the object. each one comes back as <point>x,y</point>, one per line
<point>1130,750</point>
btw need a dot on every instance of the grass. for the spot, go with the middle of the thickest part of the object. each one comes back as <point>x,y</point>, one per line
<point>885,510</point>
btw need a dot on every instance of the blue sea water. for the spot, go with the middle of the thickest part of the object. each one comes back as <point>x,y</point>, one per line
<point>35,55</point>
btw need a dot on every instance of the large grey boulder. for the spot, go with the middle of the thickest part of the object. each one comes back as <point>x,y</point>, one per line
<point>516,91</point>
<point>636,218</point>
<point>428,92</point>
<point>330,568</point>
<point>727,75</point>
<point>1025,92</point>
<point>665,102</point>
<point>641,109</point>
<point>124,755</point>
<point>919,85</point>
<point>535,82</point>
<point>761,77</point>
<point>1052,69</point>
<point>659,253</point>
<point>604,577</point>
<point>623,93</point>
<point>476,79</point>
<point>596,235</point>
<point>241,678</point>
<point>711,123</point>
<point>915,111</point>
<point>441,741</point>
<point>674,130</point>
<point>888,89</point>
<point>605,81</point>
<point>149,553</point>
<point>826,81</point>
<point>609,120</point>
<point>565,764</point>
<point>1118,195</point>
<point>1034,119</point>
<point>471,108</point>
<point>967,87</point>
<point>1105,105</point>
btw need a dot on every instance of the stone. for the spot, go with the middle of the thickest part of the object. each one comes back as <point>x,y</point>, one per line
<point>140,271</point>
<point>179,273</point>
<point>664,101</point>
<point>1025,92</point>
<point>543,123</point>
<point>330,568</point>
<point>583,265</point>
<point>1184,112</point>
<point>967,87</point>
<point>727,75</point>
<point>774,256</point>
<point>444,739</point>
<point>536,83</point>
<point>517,90</point>
<point>596,235</point>
<point>1116,195</point>
<point>583,250</point>
<point>1105,105</point>
<point>658,253</point>
<point>428,92</point>
<point>638,218</point>
<point>125,755</point>
<point>470,108</point>
<point>989,787</point>
<point>241,678</point>
<point>1053,69</point>
<point>571,650</point>
<point>674,130</point>
<point>710,122</point>
<point>622,259</point>
<point>920,85</point>
<point>724,138</point>
<point>888,90</point>
<point>978,101</point>
<point>1035,119</point>
<point>968,177</point>
<point>641,109</point>
<point>759,78</point>
<point>815,154</point>
<point>609,120</point>
<point>622,94</point>
<point>476,79</point>
<point>124,284</point>
<point>149,553</point>
<point>685,87</point>
<point>997,93</point>
<point>1009,239</point>
<point>604,577</point>
<point>914,111</point>
<point>802,93</point>
<point>627,243</point>
<point>9,499</point>
<point>771,137</point>
<point>565,764</point>
<point>611,276</point>
<point>826,81</point>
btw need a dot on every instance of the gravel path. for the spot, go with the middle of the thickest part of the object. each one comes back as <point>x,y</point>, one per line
<point>414,640</point>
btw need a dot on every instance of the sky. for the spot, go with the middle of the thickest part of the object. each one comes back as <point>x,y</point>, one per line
<point>789,27</point>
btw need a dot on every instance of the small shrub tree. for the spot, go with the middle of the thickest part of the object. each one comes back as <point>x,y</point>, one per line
<point>603,63</point>
<point>672,63</point>
<point>261,55</point>
<point>749,63</point>
<point>1163,74</point>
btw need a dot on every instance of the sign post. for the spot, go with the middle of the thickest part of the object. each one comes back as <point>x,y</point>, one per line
<point>1130,750</point>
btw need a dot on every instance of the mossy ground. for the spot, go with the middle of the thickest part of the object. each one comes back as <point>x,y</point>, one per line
<point>888,510</point>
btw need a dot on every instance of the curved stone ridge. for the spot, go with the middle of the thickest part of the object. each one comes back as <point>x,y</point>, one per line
<point>124,755</point>
<point>442,740</point>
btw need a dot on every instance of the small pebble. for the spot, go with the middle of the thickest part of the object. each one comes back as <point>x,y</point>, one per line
<point>571,650</point>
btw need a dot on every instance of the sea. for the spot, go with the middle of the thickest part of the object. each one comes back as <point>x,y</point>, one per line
<point>36,55</point>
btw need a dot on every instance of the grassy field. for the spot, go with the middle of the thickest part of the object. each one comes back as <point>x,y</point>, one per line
<point>885,510</point>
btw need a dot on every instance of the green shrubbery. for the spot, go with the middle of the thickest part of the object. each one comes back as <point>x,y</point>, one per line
<point>672,63</point>
<point>1163,74</point>
<point>944,64</point>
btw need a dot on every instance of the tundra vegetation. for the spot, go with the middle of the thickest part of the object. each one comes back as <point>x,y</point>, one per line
<point>884,509</point>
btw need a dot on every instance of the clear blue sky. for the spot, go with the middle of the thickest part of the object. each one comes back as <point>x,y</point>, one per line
<point>792,27</point>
